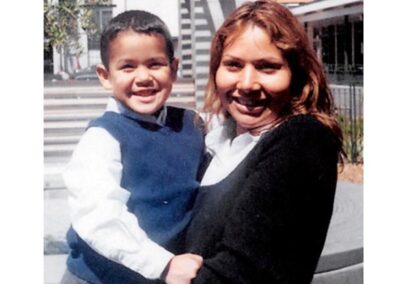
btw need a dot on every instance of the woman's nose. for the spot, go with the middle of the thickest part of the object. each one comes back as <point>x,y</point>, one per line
<point>248,80</point>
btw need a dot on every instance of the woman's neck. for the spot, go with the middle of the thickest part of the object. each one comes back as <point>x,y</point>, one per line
<point>258,130</point>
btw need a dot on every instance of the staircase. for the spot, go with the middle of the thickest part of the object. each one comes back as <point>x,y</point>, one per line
<point>199,20</point>
<point>67,110</point>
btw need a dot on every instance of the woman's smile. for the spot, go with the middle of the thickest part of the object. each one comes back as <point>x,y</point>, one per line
<point>251,105</point>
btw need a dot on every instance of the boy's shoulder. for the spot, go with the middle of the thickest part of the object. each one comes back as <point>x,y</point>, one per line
<point>178,113</point>
<point>178,118</point>
<point>179,109</point>
<point>106,116</point>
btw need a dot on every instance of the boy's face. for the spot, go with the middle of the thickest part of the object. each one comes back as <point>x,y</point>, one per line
<point>139,72</point>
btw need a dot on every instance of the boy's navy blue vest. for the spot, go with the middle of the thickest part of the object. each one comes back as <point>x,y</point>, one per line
<point>160,168</point>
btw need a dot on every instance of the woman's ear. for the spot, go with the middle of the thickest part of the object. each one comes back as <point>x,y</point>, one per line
<point>103,75</point>
<point>174,68</point>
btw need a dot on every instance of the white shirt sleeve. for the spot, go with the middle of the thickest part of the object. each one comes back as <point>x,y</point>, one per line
<point>98,206</point>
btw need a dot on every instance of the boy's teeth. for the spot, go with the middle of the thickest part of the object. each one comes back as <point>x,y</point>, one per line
<point>145,93</point>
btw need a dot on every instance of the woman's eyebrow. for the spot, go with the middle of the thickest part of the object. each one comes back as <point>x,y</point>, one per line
<point>267,59</point>
<point>228,56</point>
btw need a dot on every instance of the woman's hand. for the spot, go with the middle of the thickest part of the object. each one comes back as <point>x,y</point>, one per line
<point>183,268</point>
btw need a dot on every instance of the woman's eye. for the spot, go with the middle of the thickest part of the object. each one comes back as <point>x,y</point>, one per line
<point>268,67</point>
<point>232,65</point>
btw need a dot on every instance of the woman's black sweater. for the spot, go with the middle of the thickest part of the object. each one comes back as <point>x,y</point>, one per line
<point>267,221</point>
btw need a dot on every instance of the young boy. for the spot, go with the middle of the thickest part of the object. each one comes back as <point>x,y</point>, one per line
<point>133,176</point>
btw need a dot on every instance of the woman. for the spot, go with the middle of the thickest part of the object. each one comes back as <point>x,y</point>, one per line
<point>266,199</point>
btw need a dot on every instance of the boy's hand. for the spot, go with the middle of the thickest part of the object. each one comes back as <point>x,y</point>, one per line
<point>183,268</point>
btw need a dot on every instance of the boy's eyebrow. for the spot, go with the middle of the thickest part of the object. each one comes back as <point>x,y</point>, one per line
<point>159,58</point>
<point>125,60</point>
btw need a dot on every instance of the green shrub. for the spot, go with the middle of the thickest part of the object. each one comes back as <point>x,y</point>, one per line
<point>353,138</point>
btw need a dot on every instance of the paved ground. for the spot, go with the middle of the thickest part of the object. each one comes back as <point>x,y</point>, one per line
<point>343,249</point>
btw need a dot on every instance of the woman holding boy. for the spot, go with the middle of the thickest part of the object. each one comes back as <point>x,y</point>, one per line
<point>262,213</point>
<point>263,210</point>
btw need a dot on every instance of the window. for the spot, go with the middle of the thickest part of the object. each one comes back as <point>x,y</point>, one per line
<point>101,16</point>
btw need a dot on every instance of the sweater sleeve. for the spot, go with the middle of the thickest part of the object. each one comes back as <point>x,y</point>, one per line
<point>276,228</point>
<point>98,206</point>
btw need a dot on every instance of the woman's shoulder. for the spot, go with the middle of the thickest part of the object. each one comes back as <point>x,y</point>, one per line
<point>301,131</point>
<point>303,124</point>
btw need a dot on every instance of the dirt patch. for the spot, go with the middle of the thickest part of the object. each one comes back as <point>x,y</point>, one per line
<point>352,173</point>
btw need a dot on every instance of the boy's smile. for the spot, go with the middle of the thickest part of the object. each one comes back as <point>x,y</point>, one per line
<point>139,72</point>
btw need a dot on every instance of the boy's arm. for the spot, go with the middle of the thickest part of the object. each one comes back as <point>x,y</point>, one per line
<point>98,206</point>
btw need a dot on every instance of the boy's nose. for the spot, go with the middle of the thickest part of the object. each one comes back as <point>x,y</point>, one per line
<point>142,74</point>
<point>248,80</point>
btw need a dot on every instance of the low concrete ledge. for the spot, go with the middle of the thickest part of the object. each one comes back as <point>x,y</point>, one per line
<point>344,244</point>
<point>341,261</point>
<point>347,275</point>
<point>54,267</point>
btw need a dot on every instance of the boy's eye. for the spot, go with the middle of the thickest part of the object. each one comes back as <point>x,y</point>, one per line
<point>127,67</point>
<point>156,64</point>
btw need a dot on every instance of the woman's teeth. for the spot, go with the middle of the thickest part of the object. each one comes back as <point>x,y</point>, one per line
<point>250,102</point>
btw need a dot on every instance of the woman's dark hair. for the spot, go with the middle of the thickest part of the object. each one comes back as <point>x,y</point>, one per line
<point>310,93</point>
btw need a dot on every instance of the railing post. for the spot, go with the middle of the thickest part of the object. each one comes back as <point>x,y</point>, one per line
<point>353,122</point>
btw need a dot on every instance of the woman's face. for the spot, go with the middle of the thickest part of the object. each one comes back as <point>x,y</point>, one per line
<point>253,80</point>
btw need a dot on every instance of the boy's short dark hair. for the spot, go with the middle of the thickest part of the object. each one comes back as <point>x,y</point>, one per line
<point>140,22</point>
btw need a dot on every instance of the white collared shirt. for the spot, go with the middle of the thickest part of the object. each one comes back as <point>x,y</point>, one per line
<point>227,151</point>
<point>98,203</point>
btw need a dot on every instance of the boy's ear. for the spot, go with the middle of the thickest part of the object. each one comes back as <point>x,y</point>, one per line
<point>102,74</point>
<point>174,68</point>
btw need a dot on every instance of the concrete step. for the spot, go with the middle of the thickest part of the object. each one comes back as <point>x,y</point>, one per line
<point>65,124</point>
<point>55,160</point>
<point>73,101</point>
<point>84,105</point>
<point>76,94</point>
<point>59,154</point>
<point>59,148</point>
<point>54,92</point>
<point>68,110</point>
<point>62,139</point>
<point>75,114</point>
<point>63,131</point>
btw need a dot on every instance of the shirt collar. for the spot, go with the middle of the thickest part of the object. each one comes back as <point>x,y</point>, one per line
<point>222,134</point>
<point>116,106</point>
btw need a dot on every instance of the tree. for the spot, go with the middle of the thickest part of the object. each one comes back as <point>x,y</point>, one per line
<point>63,21</point>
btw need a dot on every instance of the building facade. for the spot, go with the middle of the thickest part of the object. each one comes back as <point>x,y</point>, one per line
<point>335,28</point>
